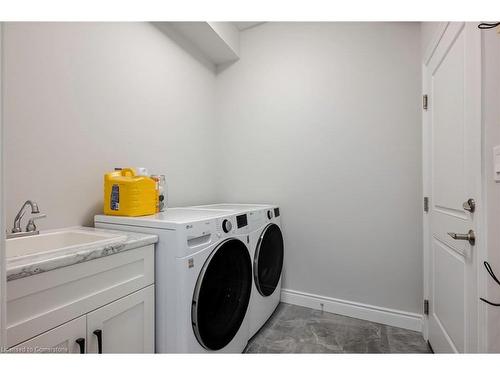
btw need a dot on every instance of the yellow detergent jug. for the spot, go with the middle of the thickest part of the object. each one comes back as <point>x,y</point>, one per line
<point>126,194</point>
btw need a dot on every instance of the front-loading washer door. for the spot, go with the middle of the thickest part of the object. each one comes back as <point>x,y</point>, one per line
<point>268,261</point>
<point>222,294</point>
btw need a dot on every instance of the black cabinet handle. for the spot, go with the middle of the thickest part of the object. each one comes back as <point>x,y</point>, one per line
<point>81,342</point>
<point>98,333</point>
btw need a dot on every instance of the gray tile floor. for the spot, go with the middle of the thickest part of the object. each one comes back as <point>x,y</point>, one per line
<point>295,329</point>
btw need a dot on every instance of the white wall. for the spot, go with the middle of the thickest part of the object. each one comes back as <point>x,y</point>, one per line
<point>83,98</point>
<point>491,113</point>
<point>324,120</point>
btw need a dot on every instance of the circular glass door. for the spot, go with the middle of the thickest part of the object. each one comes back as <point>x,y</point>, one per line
<point>268,261</point>
<point>222,294</point>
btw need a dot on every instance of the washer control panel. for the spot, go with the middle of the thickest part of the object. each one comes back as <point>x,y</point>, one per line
<point>276,212</point>
<point>224,226</point>
<point>269,214</point>
<point>242,221</point>
<point>230,225</point>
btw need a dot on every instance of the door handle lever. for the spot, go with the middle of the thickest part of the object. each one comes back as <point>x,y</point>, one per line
<point>469,205</point>
<point>470,236</point>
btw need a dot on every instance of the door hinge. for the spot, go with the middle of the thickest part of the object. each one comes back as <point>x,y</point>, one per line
<point>426,204</point>
<point>425,101</point>
<point>426,306</point>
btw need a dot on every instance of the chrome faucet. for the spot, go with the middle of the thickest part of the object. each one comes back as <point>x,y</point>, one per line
<point>31,227</point>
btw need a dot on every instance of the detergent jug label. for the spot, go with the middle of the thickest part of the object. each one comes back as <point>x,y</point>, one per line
<point>115,198</point>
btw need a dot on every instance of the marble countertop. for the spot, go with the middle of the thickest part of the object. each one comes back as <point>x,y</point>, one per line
<point>18,268</point>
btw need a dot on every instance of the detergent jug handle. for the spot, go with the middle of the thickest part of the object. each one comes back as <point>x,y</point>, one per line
<point>128,171</point>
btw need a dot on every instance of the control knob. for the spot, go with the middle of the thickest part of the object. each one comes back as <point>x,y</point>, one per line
<point>227,226</point>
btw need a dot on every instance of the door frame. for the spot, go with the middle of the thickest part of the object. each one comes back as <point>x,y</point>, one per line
<point>3,281</point>
<point>480,247</point>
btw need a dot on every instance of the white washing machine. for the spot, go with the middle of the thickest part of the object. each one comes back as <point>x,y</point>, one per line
<point>203,277</point>
<point>267,253</point>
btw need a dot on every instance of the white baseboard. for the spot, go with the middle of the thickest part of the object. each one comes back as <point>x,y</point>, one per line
<point>391,317</point>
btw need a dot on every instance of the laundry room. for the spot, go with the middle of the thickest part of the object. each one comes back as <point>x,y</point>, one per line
<point>250,187</point>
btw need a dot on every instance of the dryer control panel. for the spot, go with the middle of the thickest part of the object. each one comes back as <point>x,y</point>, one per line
<point>259,218</point>
<point>231,225</point>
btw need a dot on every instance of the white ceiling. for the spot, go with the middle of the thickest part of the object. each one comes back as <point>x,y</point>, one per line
<point>246,25</point>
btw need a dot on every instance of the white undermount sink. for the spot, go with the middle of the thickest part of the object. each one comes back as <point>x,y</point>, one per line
<point>57,241</point>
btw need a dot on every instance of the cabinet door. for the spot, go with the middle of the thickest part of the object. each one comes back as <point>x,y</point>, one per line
<point>67,338</point>
<point>123,326</point>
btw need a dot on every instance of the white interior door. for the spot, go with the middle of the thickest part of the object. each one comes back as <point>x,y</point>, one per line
<point>452,82</point>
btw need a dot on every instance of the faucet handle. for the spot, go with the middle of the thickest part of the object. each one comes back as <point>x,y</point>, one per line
<point>17,223</point>
<point>31,227</point>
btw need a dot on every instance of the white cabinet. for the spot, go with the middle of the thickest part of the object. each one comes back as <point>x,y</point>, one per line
<point>123,326</point>
<point>50,311</point>
<point>67,338</point>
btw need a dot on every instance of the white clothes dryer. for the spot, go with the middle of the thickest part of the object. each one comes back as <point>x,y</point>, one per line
<point>267,253</point>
